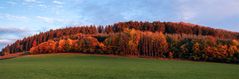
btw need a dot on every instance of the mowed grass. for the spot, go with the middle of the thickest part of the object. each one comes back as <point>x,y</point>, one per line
<point>77,66</point>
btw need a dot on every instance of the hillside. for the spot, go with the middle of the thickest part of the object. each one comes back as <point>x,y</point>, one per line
<point>143,39</point>
<point>75,66</point>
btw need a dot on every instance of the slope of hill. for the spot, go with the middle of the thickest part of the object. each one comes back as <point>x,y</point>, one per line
<point>75,66</point>
<point>143,39</point>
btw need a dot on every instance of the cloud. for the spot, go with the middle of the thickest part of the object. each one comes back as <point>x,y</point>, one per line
<point>132,14</point>
<point>42,5</point>
<point>57,2</point>
<point>10,35</point>
<point>13,17</point>
<point>30,0</point>
<point>12,2</point>
<point>111,11</point>
<point>55,20</point>
<point>208,9</point>
<point>45,19</point>
<point>221,14</point>
<point>10,30</point>
<point>106,12</point>
<point>5,41</point>
<point>188,15</point>
<point>33,3</point>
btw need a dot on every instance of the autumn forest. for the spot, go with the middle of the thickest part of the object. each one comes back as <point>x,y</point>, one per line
<point>157,39</point>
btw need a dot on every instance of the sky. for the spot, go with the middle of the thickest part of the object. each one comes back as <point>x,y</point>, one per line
<point>21,18</point>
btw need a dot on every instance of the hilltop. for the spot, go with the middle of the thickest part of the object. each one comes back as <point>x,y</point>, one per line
<point>142,39</point>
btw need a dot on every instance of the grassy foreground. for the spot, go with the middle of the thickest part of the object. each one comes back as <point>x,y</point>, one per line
<point>76,66</point>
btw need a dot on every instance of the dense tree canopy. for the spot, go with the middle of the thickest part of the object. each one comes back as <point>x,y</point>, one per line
<point>144,39</point>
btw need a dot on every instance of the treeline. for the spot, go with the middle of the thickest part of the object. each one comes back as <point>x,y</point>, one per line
<point>154,39</point>
<point>174,28</point>
<point>26,43</point>
<point>164,27</point>
<point>146,44</point>
<point>203,48</point>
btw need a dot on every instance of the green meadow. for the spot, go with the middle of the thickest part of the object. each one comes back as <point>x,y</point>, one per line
<point>78,66</point>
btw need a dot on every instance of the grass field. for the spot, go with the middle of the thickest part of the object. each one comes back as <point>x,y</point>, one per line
<point>77,66</point>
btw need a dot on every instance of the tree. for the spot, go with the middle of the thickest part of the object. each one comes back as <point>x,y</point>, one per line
<point>160,44</point>
<point>153,44</point>
<point>68,45</point>
<point>221,53</point>
<point>137,38</point>
<point>233,51</point>
<point>46,47</point>
<point>233,48</point>
<point>234,42</point>
<point>196,51</point>
<point>34,43</point>
<point>6,51</point>
<point>61,46</point>
<point>88,44</point>
<point>134,37</point>
<point>184,50</point>
<point>117,44</point>
<point>173,44</point>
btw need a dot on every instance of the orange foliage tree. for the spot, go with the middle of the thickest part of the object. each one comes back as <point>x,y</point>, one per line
<point>46,47</point>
